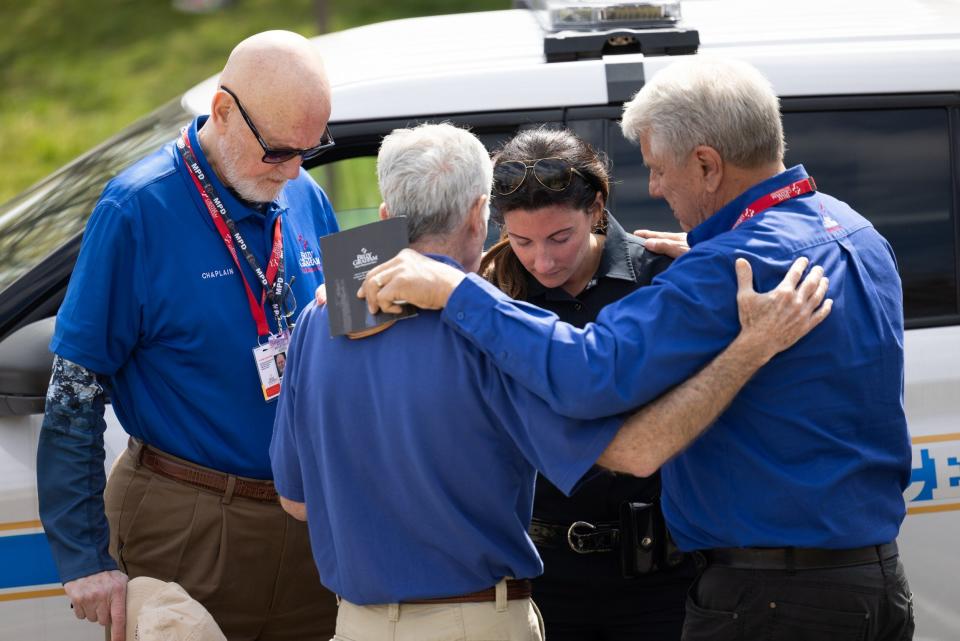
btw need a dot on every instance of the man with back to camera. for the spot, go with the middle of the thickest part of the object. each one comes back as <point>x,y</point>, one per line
<point>180,305</point>
<point>800,480</point>
<point>414,459</point>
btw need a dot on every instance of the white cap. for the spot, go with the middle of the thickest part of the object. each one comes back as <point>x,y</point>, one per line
<point>162,611</point>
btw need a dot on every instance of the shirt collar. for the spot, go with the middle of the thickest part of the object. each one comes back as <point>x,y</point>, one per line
<point>615,262</point>
<point>445,260</point>
<point>237,209</point>
<point>724,219</point>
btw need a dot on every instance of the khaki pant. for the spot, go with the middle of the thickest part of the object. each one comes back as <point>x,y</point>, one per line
<point>502,620</point>
<point>248,562</point>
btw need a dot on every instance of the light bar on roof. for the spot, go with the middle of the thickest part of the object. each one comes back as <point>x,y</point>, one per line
<point>592,15</point>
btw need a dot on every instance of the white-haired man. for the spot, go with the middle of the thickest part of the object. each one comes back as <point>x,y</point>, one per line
<point>184,289</point>
<point>413,459</point>
<point>795,494</point>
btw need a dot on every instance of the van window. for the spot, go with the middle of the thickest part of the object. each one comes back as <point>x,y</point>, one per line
<point>38,222</point>
<point>630,201</point>
<point>891,165</point>
<point>351,185</point>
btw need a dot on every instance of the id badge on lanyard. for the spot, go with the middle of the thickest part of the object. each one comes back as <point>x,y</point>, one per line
<point>270,358</point>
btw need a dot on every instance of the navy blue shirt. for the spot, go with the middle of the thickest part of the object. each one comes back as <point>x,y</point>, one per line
<point>416,459</point>
<point>156,305</point>
<point>814,450</point>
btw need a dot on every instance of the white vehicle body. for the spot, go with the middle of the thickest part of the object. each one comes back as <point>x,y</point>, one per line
<point>855,62</point>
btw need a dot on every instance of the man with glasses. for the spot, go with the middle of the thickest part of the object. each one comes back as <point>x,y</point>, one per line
<point>181,305</point>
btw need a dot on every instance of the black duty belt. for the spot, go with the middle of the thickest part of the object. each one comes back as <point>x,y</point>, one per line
<point>580,536</point>
<point>798,558</point>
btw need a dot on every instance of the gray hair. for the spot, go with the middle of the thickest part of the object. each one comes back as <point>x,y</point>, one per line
<point>724,104</point>
<point>433,174</point>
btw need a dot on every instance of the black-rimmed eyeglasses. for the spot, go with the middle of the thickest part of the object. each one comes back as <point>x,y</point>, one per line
<point>275,156</point>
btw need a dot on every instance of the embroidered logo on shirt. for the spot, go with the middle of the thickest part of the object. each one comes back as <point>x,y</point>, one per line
<point>309,259</point>
<point>217,273</point>
<point>829,223</point>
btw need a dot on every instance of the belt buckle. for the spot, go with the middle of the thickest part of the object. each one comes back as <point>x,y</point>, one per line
<point>573,535</point>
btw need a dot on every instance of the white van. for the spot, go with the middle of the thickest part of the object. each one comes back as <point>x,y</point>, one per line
<point>871,101</point>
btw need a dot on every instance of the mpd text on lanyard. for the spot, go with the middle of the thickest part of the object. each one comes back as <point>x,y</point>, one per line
<point>760,205</point>
<point>272,281</point>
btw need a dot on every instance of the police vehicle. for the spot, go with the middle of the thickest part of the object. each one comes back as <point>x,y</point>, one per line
<point>871,102</point>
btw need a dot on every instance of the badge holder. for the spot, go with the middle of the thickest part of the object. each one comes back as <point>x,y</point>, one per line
<point>271,360</point>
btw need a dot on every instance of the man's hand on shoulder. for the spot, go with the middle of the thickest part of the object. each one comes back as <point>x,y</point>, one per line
<point>101,598</point>
<point>409,277</point>
<point>672,244</point>
<point>774,321</point>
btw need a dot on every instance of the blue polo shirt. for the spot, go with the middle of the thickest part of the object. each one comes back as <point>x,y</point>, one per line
<point>157,305</point>
<point>416,459</point>
<point>814,450</point>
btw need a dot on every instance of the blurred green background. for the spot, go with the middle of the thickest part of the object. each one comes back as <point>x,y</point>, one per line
<point>73,72</point>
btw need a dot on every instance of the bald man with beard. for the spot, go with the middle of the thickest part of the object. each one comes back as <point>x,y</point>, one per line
<point>179,308</point>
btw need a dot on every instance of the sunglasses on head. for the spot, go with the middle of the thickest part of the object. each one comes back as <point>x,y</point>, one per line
<point>553,173</point>
<point>275,156</point>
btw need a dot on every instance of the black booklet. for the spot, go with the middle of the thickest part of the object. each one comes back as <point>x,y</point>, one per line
<point>347,257</point>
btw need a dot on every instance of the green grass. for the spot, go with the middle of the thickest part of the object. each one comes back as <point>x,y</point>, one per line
<point>74,72</point>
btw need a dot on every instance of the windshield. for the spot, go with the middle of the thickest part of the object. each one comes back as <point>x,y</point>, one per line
<point>37,222</point>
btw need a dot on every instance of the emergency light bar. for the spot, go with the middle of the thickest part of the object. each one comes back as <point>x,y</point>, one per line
<point>585,29</point>
<point>594,15</point>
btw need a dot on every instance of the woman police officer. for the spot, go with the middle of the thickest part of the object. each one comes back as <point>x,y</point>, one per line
<point>610,572</point>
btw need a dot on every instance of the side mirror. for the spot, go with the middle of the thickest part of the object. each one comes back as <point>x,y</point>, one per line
<point>25,362</point>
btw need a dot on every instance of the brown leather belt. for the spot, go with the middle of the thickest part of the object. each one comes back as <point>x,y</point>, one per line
<point>203,477</point>
<point>799,558</point>
<point>516,589</point>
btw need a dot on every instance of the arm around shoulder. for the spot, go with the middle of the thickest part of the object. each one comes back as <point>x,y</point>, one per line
<point>770,323</point>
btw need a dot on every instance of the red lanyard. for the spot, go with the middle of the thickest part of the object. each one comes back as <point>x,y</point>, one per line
<point>270,281</point>
<point>760,205</point>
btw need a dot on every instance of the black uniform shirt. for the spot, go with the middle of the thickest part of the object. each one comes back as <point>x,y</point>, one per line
<point>624,266</point>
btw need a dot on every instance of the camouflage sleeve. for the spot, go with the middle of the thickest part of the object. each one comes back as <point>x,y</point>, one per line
<point>70,475</point>
<point>75,399</point>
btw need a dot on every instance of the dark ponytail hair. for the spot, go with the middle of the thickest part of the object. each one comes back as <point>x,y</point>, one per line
<point>500,265</point>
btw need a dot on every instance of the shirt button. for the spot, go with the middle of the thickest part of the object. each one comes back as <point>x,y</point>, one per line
<point>578,307</point>
<point>460,316</point>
